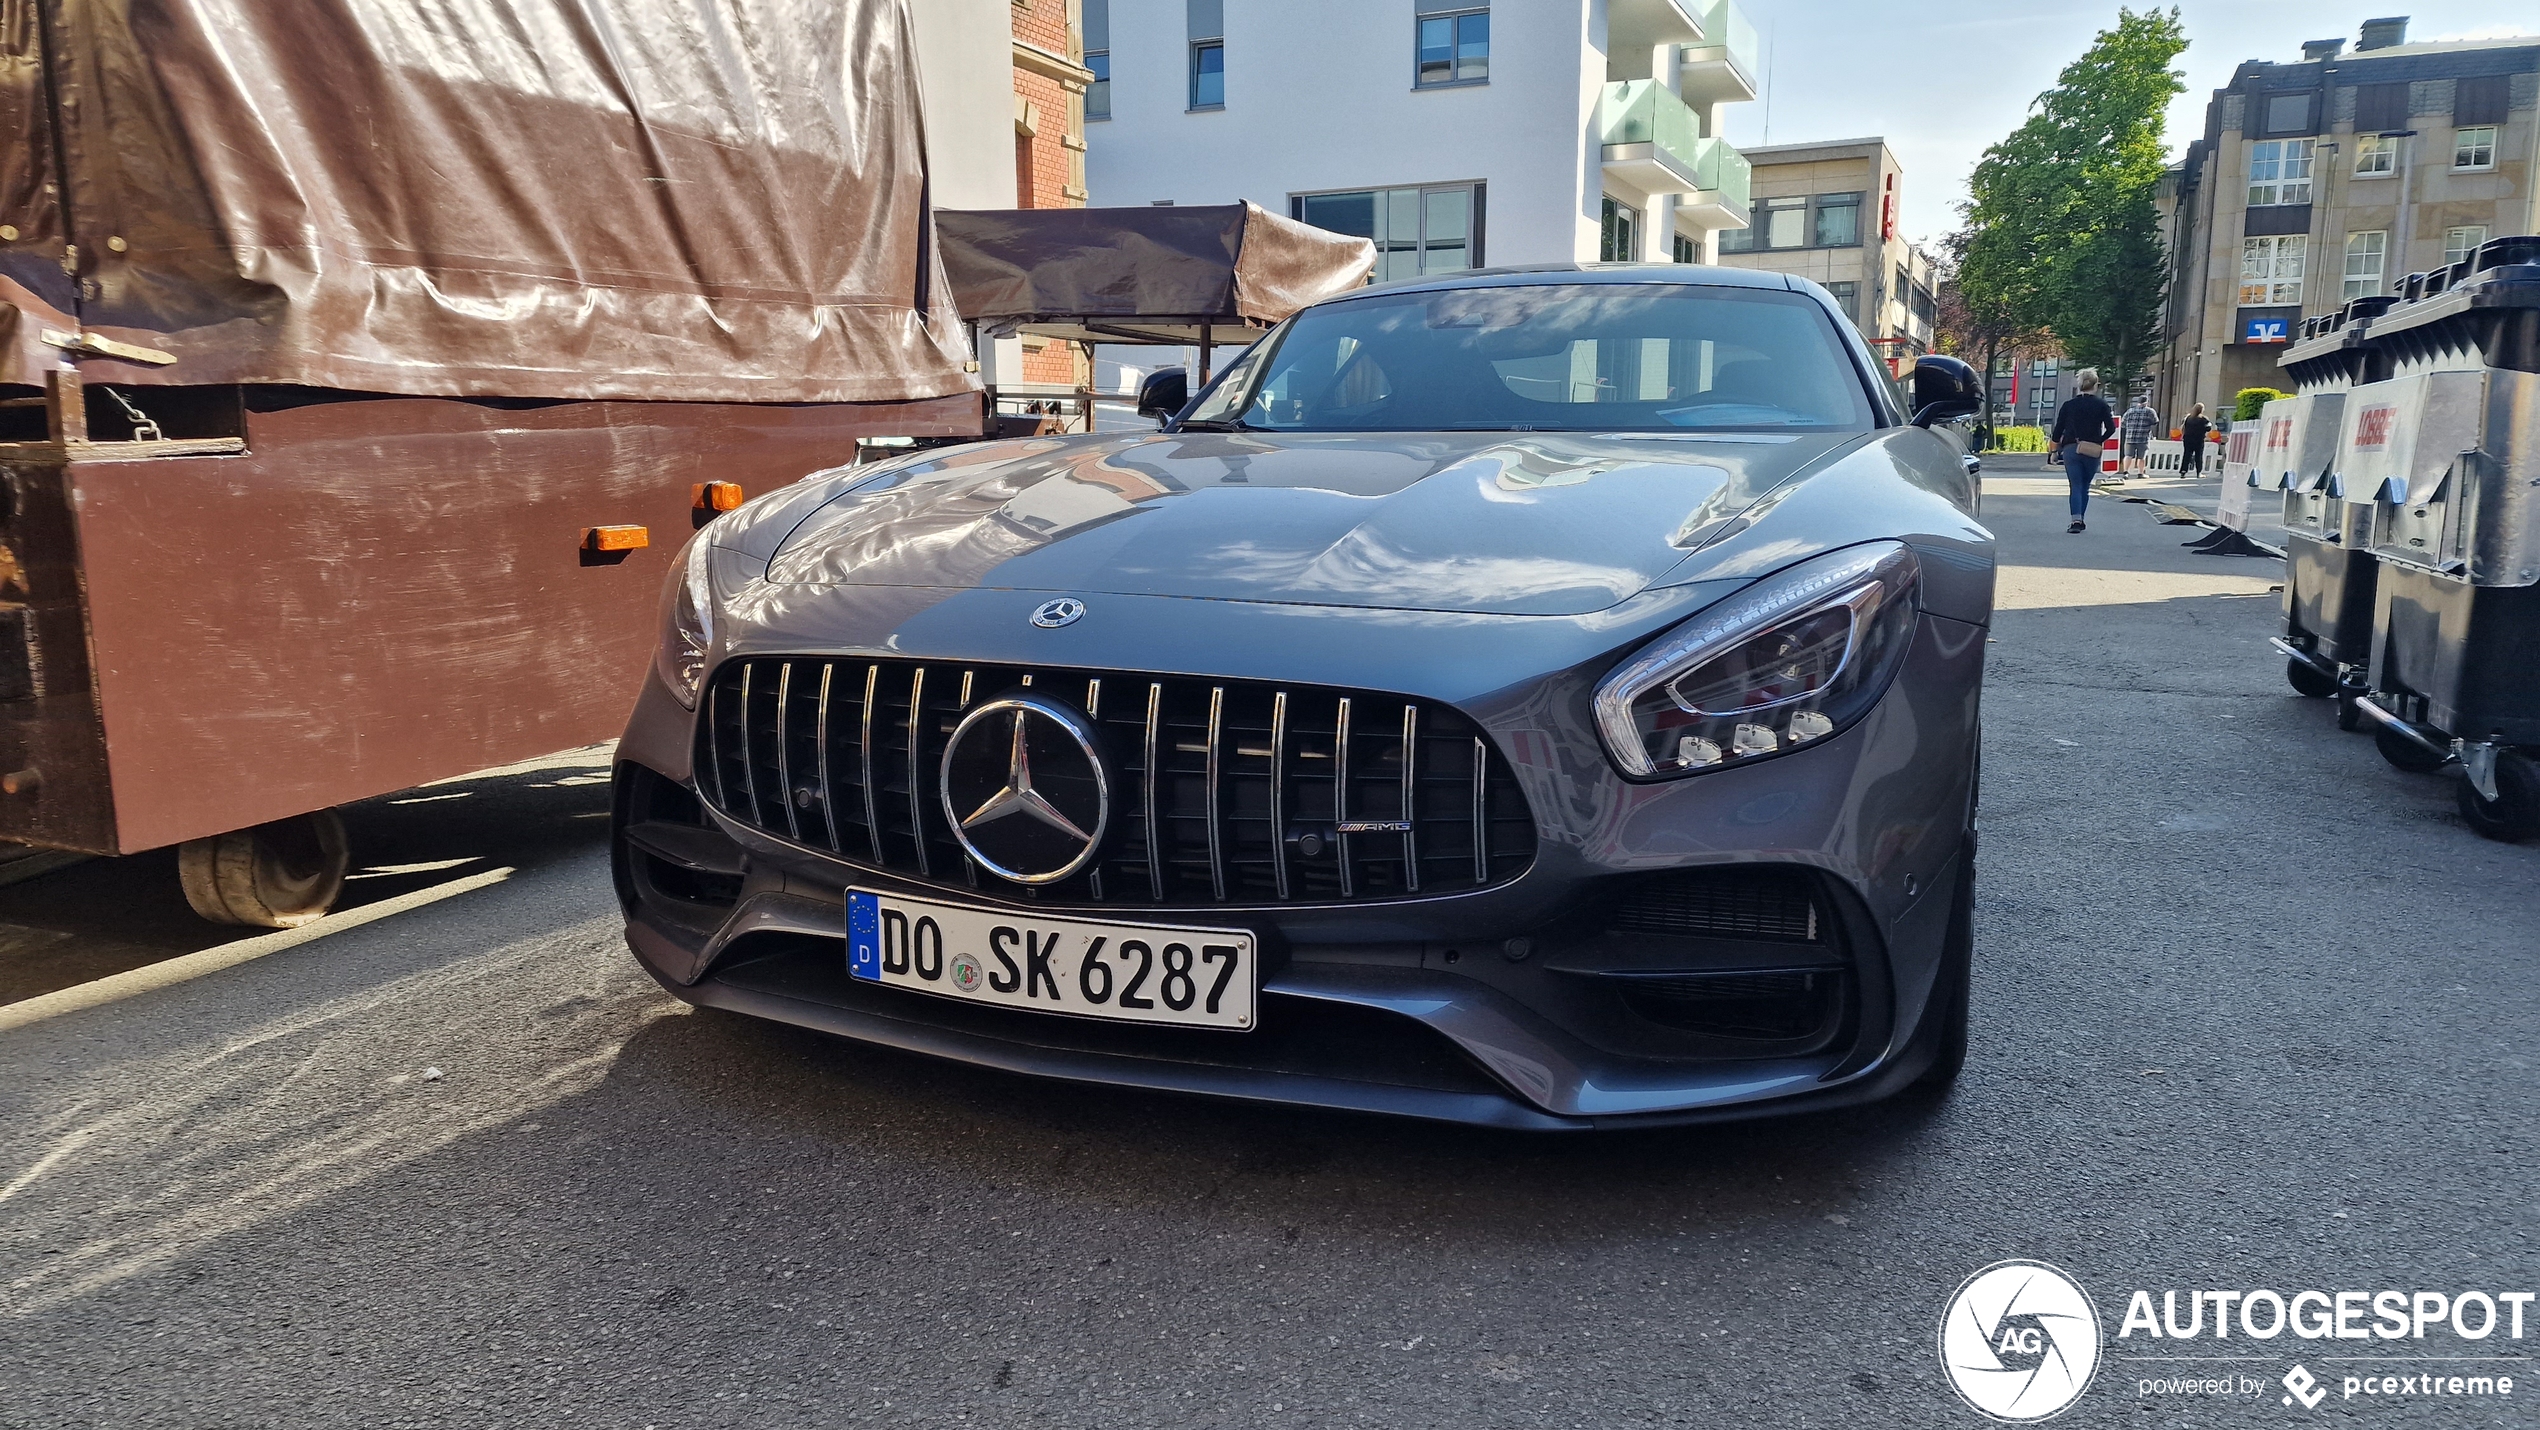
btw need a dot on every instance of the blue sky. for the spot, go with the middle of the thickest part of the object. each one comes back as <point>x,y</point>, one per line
<point>1941,89</point>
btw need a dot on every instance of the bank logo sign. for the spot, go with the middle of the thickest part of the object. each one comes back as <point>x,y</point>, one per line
<point>2020,1341</point>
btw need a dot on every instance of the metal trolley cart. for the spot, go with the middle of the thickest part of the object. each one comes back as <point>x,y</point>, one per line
<point>2447,451</point>
<point>2329,566</point>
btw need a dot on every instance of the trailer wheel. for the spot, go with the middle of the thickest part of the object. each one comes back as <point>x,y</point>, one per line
<point>2308,679</point>
<point>2406,754</point>
<point>2514,814</point>
<point>277,876</point>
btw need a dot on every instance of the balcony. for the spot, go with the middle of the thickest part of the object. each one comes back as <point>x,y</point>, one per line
<point>1653,141</point>
<point>1639,26</point>
<point>1720,68</point>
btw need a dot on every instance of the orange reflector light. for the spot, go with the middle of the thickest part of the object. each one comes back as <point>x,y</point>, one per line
<point>716,496</point>
<point>616,538</point>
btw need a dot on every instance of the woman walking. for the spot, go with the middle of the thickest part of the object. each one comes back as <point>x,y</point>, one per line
<point>2191,442</point>
<point>2082,428</point>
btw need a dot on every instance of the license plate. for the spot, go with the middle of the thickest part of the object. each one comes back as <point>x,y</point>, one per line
<point>1137,973</point>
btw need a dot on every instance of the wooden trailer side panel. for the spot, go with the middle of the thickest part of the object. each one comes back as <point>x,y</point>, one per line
<point>384,592</point>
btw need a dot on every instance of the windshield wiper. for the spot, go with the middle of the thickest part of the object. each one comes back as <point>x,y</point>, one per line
<point>1226,424</point>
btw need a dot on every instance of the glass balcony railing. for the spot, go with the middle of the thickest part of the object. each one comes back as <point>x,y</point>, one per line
<point>1643,111</point>
<point>1728,34</point>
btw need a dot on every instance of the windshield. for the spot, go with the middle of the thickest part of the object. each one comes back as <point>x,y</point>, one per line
<point>1548,358</point>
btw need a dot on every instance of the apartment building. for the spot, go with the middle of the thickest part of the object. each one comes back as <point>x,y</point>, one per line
<point>1828,212</point>
<point>2334,177</point>
<point>1454,133</point>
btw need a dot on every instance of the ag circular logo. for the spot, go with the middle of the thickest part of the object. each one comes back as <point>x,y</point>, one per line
<point>2019,1341</point>
<point>966,972</point>
<point>1025,788</point>
<point>1065,611</point>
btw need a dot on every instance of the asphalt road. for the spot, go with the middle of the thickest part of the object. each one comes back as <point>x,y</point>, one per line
<point>2251,1010</point>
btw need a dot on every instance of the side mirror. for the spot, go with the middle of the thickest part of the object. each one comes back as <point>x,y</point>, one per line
<point>1944,388</point>
<point>1164,392</point>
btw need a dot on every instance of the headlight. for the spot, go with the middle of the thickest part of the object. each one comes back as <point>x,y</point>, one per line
<point>687,625</point>
<point>1789,660</point>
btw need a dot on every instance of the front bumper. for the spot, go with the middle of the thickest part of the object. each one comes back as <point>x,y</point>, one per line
<point>1417,1007</point>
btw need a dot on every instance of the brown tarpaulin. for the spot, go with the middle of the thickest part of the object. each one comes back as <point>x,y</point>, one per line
<point>530,198</point>
<point>1119,274</point>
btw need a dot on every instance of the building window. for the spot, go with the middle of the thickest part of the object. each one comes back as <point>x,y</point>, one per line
<point>1847,296</point>
<point>2289,113</point>
<point>1802,221</point>
<point>1097,24</point>
<point>1436,229</point>
<point>1098,93</point>
<point>2271,269</point>
<point>2474,148</point>
<point>1454,47</point>
<point>1621,240</point>
<point>2279,172</point>
<point>2460,243</point>
<point>2376,154</point>
<point>2366,254</point>
<point>1208,75</point>
<point>1838,220</point>
<point>1687,251</point>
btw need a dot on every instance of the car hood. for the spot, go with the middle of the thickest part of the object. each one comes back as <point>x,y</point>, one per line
<point>1486,523</point>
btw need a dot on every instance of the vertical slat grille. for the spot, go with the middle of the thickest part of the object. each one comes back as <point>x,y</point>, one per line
<point>1223,792</point>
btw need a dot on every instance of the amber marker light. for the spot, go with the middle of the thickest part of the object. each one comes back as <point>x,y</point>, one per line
<point>616,538</point>
<point>716,496</point>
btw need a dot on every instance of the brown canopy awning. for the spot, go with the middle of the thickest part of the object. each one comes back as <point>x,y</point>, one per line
<point>525,198</point>
<point>1142,275</point>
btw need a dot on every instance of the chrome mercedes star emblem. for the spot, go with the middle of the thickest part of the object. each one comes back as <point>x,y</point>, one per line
<point>1025,789</point>
<point>1065,611</point>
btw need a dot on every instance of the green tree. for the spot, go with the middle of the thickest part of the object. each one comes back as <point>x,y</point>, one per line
<point>2061,233</point>
<point>2112,287</point>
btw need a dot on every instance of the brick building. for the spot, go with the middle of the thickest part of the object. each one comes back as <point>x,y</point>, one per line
<point>1050,80</point>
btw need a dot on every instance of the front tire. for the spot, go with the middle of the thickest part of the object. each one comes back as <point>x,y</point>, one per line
<point>2514,814</point>
<point>277,876</point>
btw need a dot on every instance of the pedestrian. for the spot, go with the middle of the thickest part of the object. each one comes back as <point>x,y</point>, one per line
<point>2191,442</point>
<point>2138,425</point>
<point>2082,428</point>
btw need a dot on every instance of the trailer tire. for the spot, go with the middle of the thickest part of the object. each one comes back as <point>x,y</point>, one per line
<point>2308,679</point>
<point>277,876</point>
<point>2404,753</point>
<point>2514,814</point>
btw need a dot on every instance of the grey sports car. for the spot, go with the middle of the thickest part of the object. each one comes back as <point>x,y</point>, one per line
<point>1537,698</point>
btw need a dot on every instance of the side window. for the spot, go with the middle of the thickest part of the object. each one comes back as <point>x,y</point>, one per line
<point>1208,74</point>
<point>1454,45</point>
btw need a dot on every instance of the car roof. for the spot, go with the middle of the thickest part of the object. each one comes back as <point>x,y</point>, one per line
<point>1536,274</point>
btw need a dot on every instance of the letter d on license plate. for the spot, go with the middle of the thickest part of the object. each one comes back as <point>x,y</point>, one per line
<point>1137,973</point>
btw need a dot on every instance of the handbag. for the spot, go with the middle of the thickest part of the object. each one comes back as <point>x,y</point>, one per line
<point>2091,449</point>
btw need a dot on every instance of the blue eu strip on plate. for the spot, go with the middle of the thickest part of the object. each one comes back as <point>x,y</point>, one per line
<point>864,937</point>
